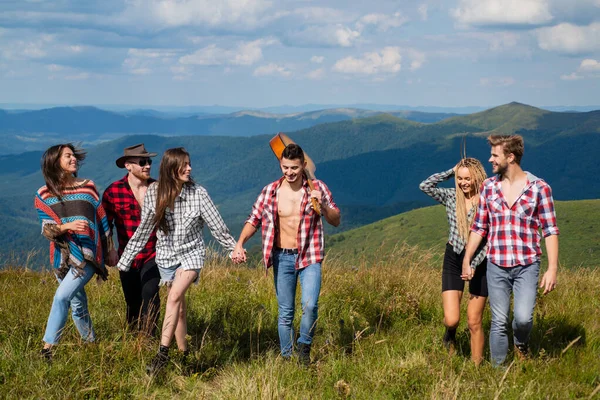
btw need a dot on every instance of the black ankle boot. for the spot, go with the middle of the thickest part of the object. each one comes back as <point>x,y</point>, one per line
<point>304,354</point>
<point>159,361</point>
<point>449,340</point>
<point>46,354</point>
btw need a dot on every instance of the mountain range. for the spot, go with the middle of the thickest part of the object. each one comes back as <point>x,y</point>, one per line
<point>24,130</point>
<point>373,165</point>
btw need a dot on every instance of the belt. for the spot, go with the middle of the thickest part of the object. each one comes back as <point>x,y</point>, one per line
<point>286,251</point>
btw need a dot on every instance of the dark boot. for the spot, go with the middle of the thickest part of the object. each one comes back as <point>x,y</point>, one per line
<point>449,340</point>
<point>522,351</point>
<point>159,361</point>
<point>304,354</point>
<point>46,354</point>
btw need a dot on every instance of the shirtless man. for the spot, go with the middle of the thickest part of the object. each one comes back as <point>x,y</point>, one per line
<point>513,206</point>
<point>292,242</point>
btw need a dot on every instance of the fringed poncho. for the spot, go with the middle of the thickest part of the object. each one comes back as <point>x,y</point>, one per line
<point>74,249</point>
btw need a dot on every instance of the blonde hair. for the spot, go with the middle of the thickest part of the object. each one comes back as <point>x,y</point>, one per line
<point>478,175</point>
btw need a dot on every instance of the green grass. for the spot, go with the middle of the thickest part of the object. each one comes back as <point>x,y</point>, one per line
<point>578,221</point>
<point>378,337</point>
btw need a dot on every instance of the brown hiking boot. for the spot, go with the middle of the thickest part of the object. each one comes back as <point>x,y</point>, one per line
<point>522,351</point>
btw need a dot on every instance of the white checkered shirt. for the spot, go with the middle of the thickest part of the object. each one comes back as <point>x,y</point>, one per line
<point>447,197</point>
<point>184,244</point>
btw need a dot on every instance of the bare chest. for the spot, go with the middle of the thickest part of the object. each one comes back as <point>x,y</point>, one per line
<point>139,195</point>
<point>289,202</point>
<point>512,191</point>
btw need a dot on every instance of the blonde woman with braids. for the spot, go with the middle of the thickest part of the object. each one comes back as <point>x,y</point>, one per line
<point>179,208</point>
<point>461,204</point>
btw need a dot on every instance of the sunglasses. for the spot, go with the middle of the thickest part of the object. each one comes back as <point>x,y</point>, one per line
<point>143,162</point>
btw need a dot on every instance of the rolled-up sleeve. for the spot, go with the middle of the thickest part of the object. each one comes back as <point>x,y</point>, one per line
<point>546,211</point>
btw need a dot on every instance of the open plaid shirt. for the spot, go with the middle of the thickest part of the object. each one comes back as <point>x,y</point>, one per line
<point>513,232</point>
<point>310,230</point>
<point>447,197</point>
<point>184,244</point>
<point>124,213</point>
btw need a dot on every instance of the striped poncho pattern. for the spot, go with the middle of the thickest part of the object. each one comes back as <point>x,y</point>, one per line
<point>74,249</point>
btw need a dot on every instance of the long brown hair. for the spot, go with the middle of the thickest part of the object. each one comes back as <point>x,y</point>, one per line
<point>478,175</point>
<point>168,185</point>
<point>53,173</point>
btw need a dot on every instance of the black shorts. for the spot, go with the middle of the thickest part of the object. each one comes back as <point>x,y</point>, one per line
<point>452,270</point>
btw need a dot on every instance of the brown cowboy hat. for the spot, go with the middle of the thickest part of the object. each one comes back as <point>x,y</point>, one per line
<point>137,150</point>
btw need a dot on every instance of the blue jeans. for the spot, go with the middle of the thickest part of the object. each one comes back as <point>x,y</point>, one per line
<point>71,293</point>
<point>286,277</point>
<point>522,281</point>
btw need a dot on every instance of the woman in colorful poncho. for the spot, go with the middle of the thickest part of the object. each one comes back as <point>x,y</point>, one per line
<point>74,222</point>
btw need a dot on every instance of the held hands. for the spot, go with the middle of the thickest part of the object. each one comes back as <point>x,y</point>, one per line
<point>549,281</point>
<point>112,258</point>
<point>238,255</point>
<point>467,271</point>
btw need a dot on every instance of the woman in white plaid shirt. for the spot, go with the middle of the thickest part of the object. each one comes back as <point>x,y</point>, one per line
<point>179,208</point>
<point>461,203</point>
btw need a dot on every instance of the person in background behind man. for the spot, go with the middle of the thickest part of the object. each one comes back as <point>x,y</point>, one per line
<point>292,238</point>
<point>123,201</point>
<point>513,206</point>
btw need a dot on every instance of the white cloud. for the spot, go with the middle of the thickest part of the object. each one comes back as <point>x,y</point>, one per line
<point>316,74</point>
<point>589,65</point>
<point>337,35</point>
<point>570,39</point>
<point>320,59</point>
<point>246,53</point>
<point>272,69</point>
<point>417,59</point>
<point>200,13</point>
<point>145,61</point>
<point>387,61</point>
<point>502,12</point>
<point>54,67</point>
<point>423,11</point>
<point>571,77</point>
<point>323,15</point>
<point>345,36</point>
<point>383,22</point>
<point>497,81</point>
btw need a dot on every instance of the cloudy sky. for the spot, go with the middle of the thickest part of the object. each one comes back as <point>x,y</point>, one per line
<point>259,53</point>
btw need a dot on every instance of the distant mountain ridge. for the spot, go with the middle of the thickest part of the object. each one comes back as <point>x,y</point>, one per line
<point>373,165</point>
<point>37,129</point>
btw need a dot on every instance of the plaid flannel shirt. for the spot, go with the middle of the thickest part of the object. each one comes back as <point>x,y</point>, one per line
<point>447,197</point>
<point>310,230</point>
<point>184,244</point>
<point>513,232</point>
<point>124,213</point>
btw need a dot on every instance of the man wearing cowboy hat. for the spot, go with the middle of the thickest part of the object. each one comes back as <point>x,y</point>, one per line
<point>123,201</point>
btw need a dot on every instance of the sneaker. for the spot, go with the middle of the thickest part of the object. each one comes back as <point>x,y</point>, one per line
<point>449,341</point>
<point>159,361</point>
<point>304,354</point>
<point>46,354</point>
<point>522,351</point>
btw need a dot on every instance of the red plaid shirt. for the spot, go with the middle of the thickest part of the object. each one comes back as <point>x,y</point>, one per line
<point>310,230</point>
<point>513,233</point>
<point>124,212</point>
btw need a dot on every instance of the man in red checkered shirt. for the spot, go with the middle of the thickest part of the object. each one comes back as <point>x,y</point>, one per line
<point>123,201</point>
<point>514,205</point>
<point>292,239</point>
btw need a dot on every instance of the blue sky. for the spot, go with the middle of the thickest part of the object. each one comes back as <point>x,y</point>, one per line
<point>259,53</point>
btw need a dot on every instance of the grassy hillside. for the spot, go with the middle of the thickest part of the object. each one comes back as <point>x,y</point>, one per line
<point>427,228</point>
<point>378,337</point>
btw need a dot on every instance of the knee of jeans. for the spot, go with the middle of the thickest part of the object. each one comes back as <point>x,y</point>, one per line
<point>523,319</point>
<point>286,317</point>
<point>310,307</point>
